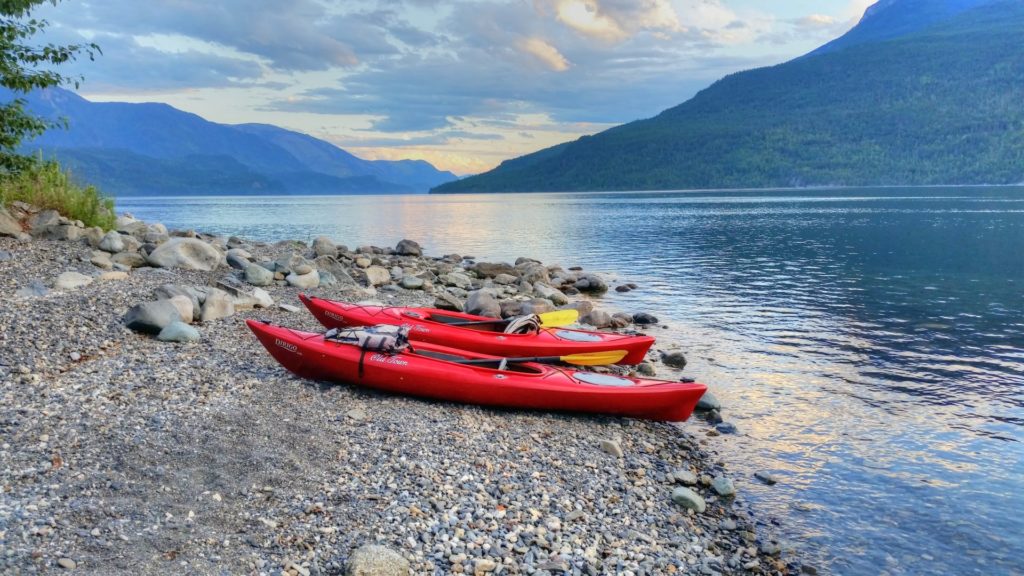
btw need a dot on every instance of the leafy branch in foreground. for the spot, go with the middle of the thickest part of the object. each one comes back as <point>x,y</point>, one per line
<point>25,67</point>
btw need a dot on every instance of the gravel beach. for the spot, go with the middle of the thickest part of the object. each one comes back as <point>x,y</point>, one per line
<point>121,453</point>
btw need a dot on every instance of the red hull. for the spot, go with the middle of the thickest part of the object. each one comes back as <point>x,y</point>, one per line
<point>548,342</point>
<point>527,385</point>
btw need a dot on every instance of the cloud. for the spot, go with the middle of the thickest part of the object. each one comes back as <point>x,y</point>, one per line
<point>545,53</point>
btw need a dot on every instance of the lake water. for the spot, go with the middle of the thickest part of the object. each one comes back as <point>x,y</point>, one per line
<point>869,344</point>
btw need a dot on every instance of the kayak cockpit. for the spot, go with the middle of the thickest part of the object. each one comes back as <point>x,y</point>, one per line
<point>496,364</point>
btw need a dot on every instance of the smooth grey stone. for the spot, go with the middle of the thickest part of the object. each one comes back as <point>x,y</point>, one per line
<point>178,332</point>
<point>408,248</point>
<point>689,499</point>
<point>152,317</point>
<point>187,253</point>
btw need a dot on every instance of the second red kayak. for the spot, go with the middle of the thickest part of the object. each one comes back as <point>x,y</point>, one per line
<point>436,327</point>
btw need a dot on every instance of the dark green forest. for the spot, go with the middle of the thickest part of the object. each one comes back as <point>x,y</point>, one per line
<point>944,105</point>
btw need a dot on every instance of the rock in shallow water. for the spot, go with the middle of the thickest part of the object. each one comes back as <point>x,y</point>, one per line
<point>674,359</point>
<point>723,486</point>
<point>178,332</point>
<point>708,402</point>
<point>408,248</point>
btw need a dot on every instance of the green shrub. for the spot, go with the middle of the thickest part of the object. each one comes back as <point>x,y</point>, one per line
<point>46,185</point>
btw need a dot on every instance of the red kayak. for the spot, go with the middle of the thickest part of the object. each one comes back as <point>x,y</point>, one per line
<point>432,371</point>
<point>434,326</point>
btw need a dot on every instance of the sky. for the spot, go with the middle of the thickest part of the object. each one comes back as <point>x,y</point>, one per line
<point>463,85</point>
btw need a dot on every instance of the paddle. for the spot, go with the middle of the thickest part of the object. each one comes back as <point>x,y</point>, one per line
<point>586,359</point>
<point>547,319</point>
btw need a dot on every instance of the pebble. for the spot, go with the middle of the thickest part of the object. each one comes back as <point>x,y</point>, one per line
<point>72,281</point>
<point>766,477</point>
<point>689,499</point>
<point>67,563</point>
<point>726,428</point>
<point>612,447</point>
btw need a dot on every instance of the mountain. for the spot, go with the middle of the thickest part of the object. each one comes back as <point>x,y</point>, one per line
<point>894,18</point>
<point>939,104</point>
<point>151,148</point>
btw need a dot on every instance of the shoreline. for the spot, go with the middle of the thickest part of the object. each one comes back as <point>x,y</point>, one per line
<point>122,452</point>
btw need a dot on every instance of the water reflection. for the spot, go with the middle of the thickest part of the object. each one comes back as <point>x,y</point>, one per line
<point>869,344</point>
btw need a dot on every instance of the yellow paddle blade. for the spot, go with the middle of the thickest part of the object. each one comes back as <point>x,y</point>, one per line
<point>595,358</point>
<point>558,318</point>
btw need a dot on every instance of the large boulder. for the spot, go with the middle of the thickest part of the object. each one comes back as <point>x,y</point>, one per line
<point>8,225</point>
<point>324,246</point>
<point>258,275</point>
<point>597,319</point>
<point>457,279</point>
<point>330,265</point>
<point>446,301</point>
<point>306,281</point>
<point>483,303</point>
<point>219,304</point>
<point>112,243</point>
<point>169,291</point>
<point>129,259</point>
<point>534,273</point>
<point>554,294</point>
<point>152,317</point>
<point>591,283</point>
<point>377,276</point>
<point>376,560</point>
<point>492,269</point>
<point>408,248</point>
<point>187,253</point>
<point>184,306</point>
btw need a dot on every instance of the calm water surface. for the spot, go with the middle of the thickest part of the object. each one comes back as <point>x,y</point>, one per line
<point>869,344</point>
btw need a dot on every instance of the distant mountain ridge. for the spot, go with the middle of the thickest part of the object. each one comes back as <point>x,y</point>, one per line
<point>894,101</point>
<point>153,148</point>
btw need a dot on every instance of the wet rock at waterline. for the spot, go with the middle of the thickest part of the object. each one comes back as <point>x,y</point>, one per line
<point>408,248</point>
<point>674,359</point>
